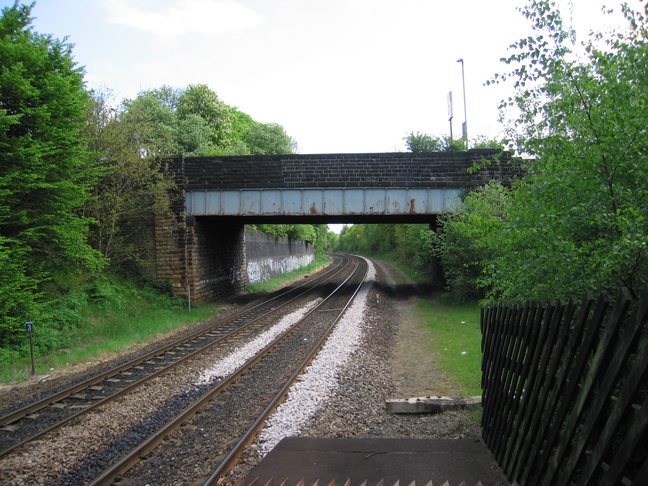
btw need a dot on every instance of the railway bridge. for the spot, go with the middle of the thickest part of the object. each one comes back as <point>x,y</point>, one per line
<point>199,246</point>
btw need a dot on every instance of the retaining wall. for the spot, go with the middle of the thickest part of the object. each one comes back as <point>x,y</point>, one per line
<point>268,257</point>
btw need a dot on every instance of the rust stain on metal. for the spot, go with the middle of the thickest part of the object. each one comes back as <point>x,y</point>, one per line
<point>412,206</point>
<point>313,209</point>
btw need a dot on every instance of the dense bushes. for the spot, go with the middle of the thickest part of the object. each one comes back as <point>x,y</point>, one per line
<point>92,308</point>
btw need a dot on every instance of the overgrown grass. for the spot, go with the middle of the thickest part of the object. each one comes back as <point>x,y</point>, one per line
<point>106,317</point>
<point>456,340</point>
<point>275,283</point>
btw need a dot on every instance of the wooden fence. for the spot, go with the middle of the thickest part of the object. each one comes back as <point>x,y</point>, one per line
<point>565,390</point>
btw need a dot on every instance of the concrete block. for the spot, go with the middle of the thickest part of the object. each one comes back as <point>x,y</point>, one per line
<point>431,404</point>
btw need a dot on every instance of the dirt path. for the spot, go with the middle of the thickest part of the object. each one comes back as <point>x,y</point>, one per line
<point>414,365</point>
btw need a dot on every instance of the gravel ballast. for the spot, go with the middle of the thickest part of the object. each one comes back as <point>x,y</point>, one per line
<point>341,396</point>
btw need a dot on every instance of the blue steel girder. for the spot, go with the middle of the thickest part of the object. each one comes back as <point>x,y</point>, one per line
<point>322,202</point>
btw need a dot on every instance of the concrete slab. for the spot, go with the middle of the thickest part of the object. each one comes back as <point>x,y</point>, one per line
<point>374,460</point>
<point>431,404</point>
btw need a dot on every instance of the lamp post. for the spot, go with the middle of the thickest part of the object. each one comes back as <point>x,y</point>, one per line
<point>464,126</point>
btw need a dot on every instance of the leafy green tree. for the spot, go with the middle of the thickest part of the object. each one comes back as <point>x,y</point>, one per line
<point>195,122</point>
<point>156,122</point>
<point>270,138</point>
<point>350,238</point>
<point>45,170</point>
<point>168,95</point>
<point>324,239</point>
<point>193,137</point>
<point>579,220</point>
<point>464,239</point>
<point>200,100</point>
<point>241,125</point>
<point>132,185</point>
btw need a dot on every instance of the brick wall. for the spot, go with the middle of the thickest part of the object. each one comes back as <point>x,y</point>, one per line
<point>402,169</point>
<point>172,236</point>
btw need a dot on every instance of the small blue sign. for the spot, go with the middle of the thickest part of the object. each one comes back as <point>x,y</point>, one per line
<point>29,326</point>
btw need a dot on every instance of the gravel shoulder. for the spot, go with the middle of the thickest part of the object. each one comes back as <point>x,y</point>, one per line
<point>394,362</point>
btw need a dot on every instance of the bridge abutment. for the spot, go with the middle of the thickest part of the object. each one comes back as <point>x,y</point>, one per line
<point>201,256</point>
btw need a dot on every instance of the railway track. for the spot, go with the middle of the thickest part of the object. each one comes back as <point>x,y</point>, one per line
<point>234,406</point>
<point>257,388</point>
<point>32,421</point>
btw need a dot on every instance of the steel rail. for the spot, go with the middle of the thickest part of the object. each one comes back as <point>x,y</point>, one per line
<point>234,455</point>
<point>47,401</point>
<point>136,454</point>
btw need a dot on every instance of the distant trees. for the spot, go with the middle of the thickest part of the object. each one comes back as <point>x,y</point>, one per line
<point>406,243</point>
<point>195,122</point>
<point>422,142</point>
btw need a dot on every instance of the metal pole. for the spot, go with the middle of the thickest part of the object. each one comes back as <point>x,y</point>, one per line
<point>450,112</point>
<point>464,127</point>
<point>29,327</point>
<point>31,347</point>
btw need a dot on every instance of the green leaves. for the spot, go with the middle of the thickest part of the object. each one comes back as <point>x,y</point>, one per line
<point>45,170</point>
<point>270,138</point>
<point>577,222</point>
<point>195,122</point>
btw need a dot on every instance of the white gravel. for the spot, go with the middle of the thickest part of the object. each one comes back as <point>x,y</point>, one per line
<point>233,361</point>
<point>320,379</point>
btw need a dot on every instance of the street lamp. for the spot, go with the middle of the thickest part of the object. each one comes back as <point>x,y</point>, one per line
<point>464,127</point>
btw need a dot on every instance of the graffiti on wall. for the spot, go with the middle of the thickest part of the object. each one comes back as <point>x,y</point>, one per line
<point>263,269</point>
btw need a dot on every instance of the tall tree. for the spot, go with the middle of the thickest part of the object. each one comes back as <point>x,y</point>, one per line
<point>132,186</point>
<point>45,170</point>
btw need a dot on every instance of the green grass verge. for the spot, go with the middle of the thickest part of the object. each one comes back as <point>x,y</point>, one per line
<point>456,338</point>
<point>116,316</point>
<point>105,333</point>
<point>275,283</point>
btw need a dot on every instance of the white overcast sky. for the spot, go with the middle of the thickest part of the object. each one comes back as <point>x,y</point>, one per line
<point>339,75</point>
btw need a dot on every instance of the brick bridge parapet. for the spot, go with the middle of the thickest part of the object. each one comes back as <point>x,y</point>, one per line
<point>400,169</point>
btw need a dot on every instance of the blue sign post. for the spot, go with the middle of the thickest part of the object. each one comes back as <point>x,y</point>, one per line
<point>29,327</point>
